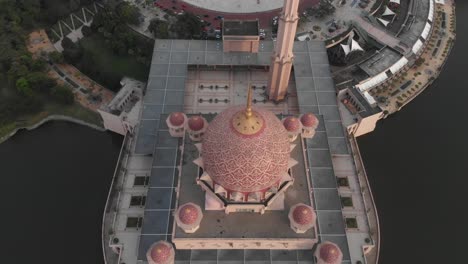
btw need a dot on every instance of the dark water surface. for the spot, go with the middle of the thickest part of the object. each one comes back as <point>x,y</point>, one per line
<point>54,183</point>
<point>417,161</point>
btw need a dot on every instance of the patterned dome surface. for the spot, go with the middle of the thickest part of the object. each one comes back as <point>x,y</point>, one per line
<point>291,124</point>
<point>161,252</point>
<point>250,161</point>
<point>176,118</point>
<point>303,215</point>
<point>196,123</point>
<point>309,120</point>
<point>188,214</point>
<point>329,253</point>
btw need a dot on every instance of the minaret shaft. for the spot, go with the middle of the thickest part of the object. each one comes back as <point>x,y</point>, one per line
<point>282,59</point>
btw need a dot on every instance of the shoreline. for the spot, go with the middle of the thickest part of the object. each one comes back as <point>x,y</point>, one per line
<point>49,119</point>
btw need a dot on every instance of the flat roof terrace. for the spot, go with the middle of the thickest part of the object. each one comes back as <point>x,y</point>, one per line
<point>273,224</point>
<point>169,69</point>
<point>161,201</point>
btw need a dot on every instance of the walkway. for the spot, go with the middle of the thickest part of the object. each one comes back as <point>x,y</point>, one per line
<point>213,16</point>
<point>382,36</point>
<point>245,6</point>
<point>87,92</point>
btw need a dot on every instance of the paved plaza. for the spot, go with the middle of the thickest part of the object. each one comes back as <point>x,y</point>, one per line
<point>232,6</point>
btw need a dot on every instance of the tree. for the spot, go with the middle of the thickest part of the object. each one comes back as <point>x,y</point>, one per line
<point>17,70</point>
<point>67,43</point>
<point>38,64</point>
<point>324,8</point>
<point>56,57</point>
<point>40,81</point>
<point>87,31</point>
<point>23,88</point>
<point>62,94</point>
<point>71,51</point>
<point>159,28</point>
<point>187,26</point>
<point>129,13</point>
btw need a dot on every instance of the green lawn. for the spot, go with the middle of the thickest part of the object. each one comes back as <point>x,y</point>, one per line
<point>107,61</point>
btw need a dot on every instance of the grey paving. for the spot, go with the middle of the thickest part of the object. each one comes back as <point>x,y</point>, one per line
<point>319,141</point>
<point>323,178</point>
<point>327,199</point>
<point>330,222</point>
<point>334,129</point>
<point>162,177</point>
<point>338,146</point>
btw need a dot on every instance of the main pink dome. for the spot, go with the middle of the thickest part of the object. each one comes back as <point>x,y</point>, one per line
<point>245,162</point>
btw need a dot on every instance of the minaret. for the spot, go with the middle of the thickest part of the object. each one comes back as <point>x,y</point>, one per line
<point>282,59</point>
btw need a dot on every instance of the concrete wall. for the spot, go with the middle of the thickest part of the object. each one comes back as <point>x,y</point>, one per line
<point>239,44</point>
<point>113,123</point>
<point>259,243</point>
<point>365,125</point>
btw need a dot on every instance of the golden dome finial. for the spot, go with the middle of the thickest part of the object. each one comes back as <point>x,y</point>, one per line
<point>248,109</point>
<point>247,121</point>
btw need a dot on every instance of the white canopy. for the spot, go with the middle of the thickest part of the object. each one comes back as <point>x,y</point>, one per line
<point>417,46</point>
<point>369,98</point>
<point>383,21</point>
<point>399,65</point>
<point>431,11</point>
<point>345,48</point>
<point>355,45</point>
<point>371,82</point>
<point>388,12</point>
<point>426,31</point>
<point>395,1</point>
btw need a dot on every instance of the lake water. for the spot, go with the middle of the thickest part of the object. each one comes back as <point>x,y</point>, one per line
<point>54,184</point>
<point>417,161</point>
<point>55,180</point>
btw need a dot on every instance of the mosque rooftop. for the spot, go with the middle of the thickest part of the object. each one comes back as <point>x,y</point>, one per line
<point>166,88</point>
<point>161,201</point>
<point>173,58</point>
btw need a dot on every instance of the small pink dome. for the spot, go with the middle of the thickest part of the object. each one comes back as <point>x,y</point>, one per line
<point>291,124</point>
<point>303,215</point>
<point>309,120</point>
<point>188,214</point>
<point>177,119</point>
<point>330,253</point>
<point>196,123</point>
<point>161,252</point>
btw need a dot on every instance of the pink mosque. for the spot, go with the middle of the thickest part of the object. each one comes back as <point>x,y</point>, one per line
<point>245,168</point>
<point>244,155</point>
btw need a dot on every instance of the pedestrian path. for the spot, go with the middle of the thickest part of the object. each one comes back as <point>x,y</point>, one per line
<point>382,36</point>
<point>232,6</point>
